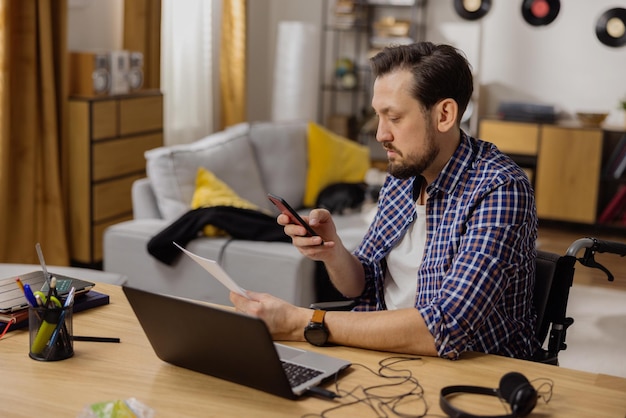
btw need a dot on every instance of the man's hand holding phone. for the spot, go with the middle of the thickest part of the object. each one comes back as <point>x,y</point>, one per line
<point>294,217</point>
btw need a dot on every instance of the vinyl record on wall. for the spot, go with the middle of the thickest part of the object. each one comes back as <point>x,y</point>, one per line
<point>540,12</point>
<point>472,9</point>
<point>611,27</point>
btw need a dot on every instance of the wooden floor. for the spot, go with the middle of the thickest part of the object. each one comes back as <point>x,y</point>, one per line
<point>557,239</point>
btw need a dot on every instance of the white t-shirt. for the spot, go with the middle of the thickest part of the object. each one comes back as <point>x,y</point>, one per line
<point>403,261</point>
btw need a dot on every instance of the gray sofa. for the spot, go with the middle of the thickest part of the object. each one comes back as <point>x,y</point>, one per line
<point>253,159</point>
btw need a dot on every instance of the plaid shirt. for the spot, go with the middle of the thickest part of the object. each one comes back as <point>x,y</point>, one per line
<point>475,283</point>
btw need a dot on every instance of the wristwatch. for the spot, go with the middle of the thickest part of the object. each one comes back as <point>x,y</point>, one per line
<point>316,332</point>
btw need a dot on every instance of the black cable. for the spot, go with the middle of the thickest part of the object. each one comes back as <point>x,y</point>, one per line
<point>545,388</point>
<point>373,397</point>
<point>324,393</point>
<point>220,256</point>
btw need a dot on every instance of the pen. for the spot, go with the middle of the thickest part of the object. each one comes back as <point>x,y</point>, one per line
<point>70,298</point>
<point>43,263</point>
<point>19,283</point>
<point>30,297</point>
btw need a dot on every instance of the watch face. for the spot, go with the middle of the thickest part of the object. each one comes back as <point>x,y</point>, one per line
<point>316,334</point>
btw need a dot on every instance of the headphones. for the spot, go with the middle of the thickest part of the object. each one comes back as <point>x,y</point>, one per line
<point>514,388</point>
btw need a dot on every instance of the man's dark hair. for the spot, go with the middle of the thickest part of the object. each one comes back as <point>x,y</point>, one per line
<point>439,72</point>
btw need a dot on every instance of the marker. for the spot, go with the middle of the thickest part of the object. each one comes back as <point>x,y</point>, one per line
<point>61,321</point>
<point>30,297</point>
<point>48,324</point>
<point>53,286</point>
<point>42,296</point>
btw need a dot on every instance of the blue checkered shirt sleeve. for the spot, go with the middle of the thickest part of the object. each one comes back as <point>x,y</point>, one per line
<point>475,284</point>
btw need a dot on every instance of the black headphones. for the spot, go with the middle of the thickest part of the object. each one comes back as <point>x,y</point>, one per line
<point>514,388</point>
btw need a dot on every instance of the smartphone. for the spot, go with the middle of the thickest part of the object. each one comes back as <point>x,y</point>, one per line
<point>285,208</point>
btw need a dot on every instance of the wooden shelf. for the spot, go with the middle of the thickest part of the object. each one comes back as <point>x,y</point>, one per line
<point>568,174</point>
<point>104,154</point>
<point>568,165</point>
<point>354,41</point>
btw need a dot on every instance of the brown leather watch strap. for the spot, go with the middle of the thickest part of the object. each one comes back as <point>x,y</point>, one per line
<point>318,316</point>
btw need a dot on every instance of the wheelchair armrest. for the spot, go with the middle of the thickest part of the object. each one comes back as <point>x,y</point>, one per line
<point>340,305</point>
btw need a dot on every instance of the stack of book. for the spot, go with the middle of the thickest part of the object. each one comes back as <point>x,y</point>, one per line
<point>19,319</point>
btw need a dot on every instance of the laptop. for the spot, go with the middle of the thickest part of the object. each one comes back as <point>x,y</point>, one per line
<point>227,345</point>
<point>12,298</point>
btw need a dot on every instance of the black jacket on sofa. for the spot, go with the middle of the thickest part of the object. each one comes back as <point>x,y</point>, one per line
<point>244,224</point>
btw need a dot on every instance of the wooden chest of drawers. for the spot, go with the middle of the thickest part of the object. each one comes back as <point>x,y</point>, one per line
<point>566,161</point>
<point>104,151</point>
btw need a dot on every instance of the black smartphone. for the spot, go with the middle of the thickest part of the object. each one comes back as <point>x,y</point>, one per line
<point>285,208</point>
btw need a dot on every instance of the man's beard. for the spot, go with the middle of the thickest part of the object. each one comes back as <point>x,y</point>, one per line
<point>414,164</point>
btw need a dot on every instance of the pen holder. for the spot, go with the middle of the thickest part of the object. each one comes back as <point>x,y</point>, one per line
<point>50,332</point>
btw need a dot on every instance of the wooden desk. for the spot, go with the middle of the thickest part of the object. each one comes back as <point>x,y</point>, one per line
<point>107,371</point>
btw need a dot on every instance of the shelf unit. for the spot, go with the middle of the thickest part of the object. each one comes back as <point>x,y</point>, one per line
<point>345,106</point>
<point>566,164</point>
<point>344,38</point>
<point>105,148</point>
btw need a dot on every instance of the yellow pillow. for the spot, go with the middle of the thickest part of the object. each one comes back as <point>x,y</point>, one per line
<point>211,191</point>
<point>332,159</point>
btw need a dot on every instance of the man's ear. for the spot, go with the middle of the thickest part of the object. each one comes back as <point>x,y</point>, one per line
<point>446,111</point>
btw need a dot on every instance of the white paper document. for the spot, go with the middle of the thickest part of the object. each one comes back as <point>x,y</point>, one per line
<point>216,271</point>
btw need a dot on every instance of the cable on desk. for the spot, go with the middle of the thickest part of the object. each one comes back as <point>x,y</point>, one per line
<point>410,393</point>
<point>324,393</point>
<point>397,404</point>
<point>544,389</point>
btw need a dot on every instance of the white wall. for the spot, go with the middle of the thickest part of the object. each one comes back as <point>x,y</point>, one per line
<point>562,63</point>
<point>95,24</point>
<point>264,16</point>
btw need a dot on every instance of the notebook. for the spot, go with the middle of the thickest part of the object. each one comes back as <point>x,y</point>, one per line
<point>227,345</point>
<point>82,302</point>
<point>12,298</point>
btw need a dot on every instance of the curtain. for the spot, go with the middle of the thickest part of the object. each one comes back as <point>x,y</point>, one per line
<point>33,90</point>
<point>186,69</point>
<point>177,39</point>
<point>233,63</point>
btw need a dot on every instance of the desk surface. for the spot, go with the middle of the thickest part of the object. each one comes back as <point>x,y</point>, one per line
<point>108,371</point>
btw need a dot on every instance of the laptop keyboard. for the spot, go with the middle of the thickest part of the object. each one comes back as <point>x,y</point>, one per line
<point>298,374</point>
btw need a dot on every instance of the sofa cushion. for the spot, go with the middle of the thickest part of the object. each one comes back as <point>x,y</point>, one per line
<point>281,150</point>
<point>332,159</point>
<point>228,154</point>
<point>211,191</point>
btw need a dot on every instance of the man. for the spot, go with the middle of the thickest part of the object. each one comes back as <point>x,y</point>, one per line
<point>447,264</point>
